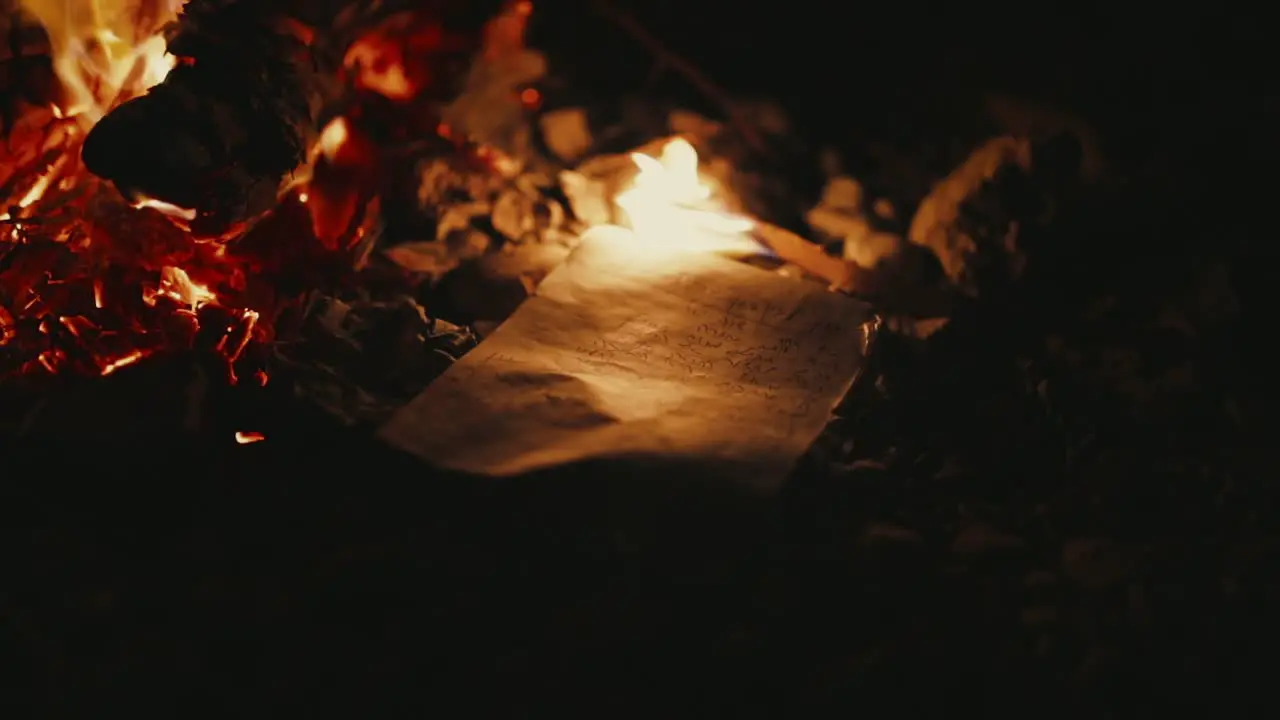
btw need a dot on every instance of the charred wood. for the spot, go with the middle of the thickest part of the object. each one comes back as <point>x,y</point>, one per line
<point>26,72</point>
<point>227,125</point>
<point>239,112</point>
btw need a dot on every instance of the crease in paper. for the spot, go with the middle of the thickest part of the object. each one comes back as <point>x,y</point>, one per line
<point>627,353</point>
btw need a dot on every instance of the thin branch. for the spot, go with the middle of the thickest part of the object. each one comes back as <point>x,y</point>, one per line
<point>686,69</point>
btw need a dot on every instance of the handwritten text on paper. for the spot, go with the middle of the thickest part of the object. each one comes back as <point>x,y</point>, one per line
<point>628,354</point>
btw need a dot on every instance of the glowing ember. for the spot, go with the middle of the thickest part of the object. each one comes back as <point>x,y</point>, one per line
<point>248,438</point>
<point>669,205</point>
<point>166,209</point>
<point>91,282</point>
<point>125,361</point>
<point>332,139</point>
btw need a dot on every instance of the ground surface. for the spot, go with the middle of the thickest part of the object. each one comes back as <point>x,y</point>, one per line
<point>975,548</point>
<point>1057,506</point>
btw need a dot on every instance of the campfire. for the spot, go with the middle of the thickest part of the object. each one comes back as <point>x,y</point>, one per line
<point>97,273</point>
<point>92,280</point>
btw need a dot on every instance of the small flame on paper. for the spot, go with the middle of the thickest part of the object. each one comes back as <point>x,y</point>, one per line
<point>671,206</point>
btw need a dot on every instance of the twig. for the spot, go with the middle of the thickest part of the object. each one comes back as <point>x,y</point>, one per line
<point>666,57</point>
<point>795,249</point>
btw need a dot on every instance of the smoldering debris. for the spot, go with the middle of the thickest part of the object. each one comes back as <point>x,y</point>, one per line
<point>359,359</point>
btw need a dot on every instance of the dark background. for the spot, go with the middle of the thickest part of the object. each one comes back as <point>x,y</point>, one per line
<point>840,63</point>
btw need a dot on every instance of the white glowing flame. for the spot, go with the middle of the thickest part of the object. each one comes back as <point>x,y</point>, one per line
<point>177,285</point>
<point>334,136</point>
<point>105,51</point>
<point>669,204</point>
<point>167,209</point>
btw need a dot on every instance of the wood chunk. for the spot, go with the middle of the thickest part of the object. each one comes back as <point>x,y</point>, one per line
<point>239,113</point>
<point>226,126</point>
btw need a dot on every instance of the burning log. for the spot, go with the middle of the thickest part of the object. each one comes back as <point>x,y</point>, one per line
<point>237,115</point>
<point>228,124</point>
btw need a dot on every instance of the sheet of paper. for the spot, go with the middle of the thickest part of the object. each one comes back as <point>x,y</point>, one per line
<point>628,353</point>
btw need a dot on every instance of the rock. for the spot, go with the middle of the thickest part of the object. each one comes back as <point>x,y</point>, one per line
<point>548,215</point>
<point>843,193</point>
<point>839,214</point>
<point>884,209</point>
<point>588,197</point>
<point>470,293</point>
<point>834,223</point>
<point>443,183</point>
<point>513,215</point>
<point>938,223</point>
<point>1019,118</point>
<point>567,133</point>
<point>458,218</point>
<point>871,248</point>
<point>428,258</point>
<point>591,186</point>
<point>920,328</point>
<point>437,258</point>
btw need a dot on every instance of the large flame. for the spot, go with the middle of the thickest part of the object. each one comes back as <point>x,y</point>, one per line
<point>671,206</point>
<point>105,51</point>
<point>87,283</point>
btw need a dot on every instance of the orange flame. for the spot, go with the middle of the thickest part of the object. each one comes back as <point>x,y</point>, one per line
<point>101,54</point>
<point>133,357</point>
<point>177,285</point>
<point>167,209</point>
